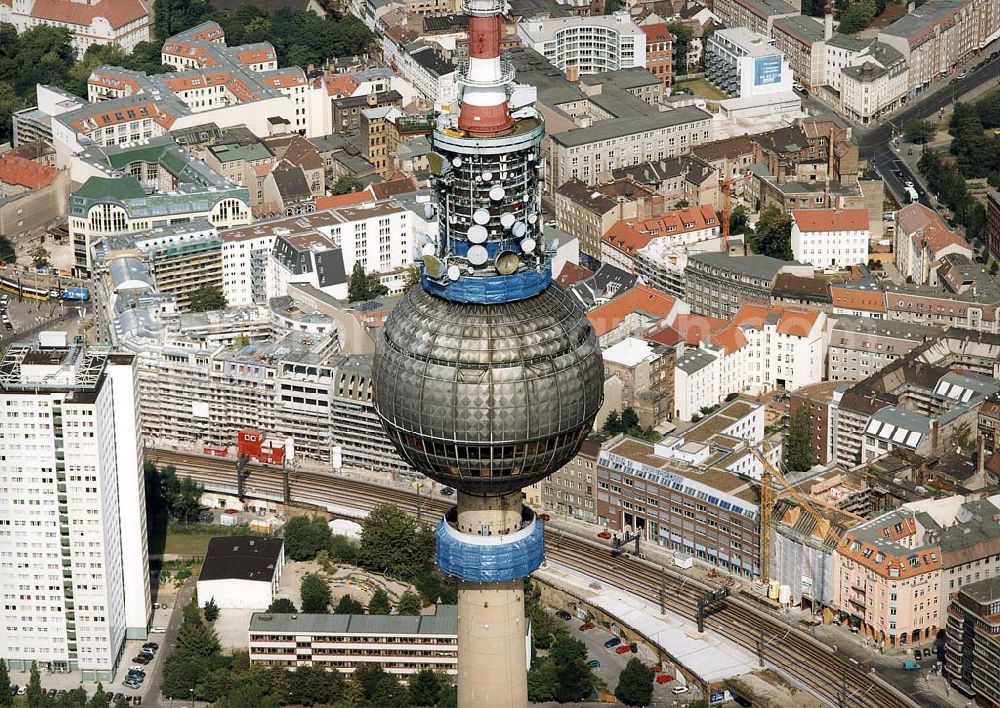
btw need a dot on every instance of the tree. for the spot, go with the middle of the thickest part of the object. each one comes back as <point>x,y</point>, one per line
<point>630,419</point>
<point>612,424</point>
<point>409,604</point>
<point>146,57</point>
<point>305,536</point>
<point>346,184</point>
<point>773,235</point>
<point>5,698</point>
<point>543,683</point>
<point>99,699</point>
<point>424,688</point>
<point>364,286</point>
<point>962,437</point>
<point>682,41</point>
<point>211,610</point>
<point>919,131</point>
<point>412,277</point>
<point>316,595</point>
<point>379,604</point>
<point>377,687</point>
<point>348,606</point>
<point>282,606</point>
<point>207,298</point>
<point>40,256</point>
<point>196,639</point>
<point>857,16</point>
<point>181,673</point>
<point>7,252</point>
<point>394,543</point>
<point>798,452</point>
<point>310,684</point>
<point>34,692</point>
<point>10,101</point>
<point>343,548</point>
<point>738,222</point>
<point>635,684</point>
<point>173,16</point>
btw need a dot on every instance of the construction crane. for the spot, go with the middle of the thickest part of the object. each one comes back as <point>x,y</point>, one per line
<point>767,501</point>
<point>726,184</point>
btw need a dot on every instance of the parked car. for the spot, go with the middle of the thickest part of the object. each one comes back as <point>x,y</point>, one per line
<point>141,659</point>
<point>680,689</point>
<point>117,696</point>
<point>158,630</point>
<point>13,689</point>
<point>664,678</point>
<point>134,685</point>
<point>564,615</point>
<point>447,491</point>
<point>612,643</point>
<point>593,664</point>
<point>545,517</point>
<point>911,665</point>
<point>151,645</point>
<point>606,535</point>
<point>918,654</point>
<point>623,649</point>
<point>137,670</point>
<point>586,626</point>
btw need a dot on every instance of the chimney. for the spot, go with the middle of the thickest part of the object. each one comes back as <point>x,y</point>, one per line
<point>827,26</point>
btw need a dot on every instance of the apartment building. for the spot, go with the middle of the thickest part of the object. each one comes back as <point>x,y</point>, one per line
<point>587,212</point>
<point>677,231</point>
<point>922,238</point>
<point>830,238</point>
<point>746,64</point>
<point>817,402</point>
<point>972,640</point>
<point>399,644</point>
<point>75,562</point>
<point>801,38</point>
<point>569,491</point>
<point>708,372</point>
<point>859,299</point>
<point>122,23</point>
<point>606,145</point>
<point>900,572</point>
<point>876,85</point>
<point>689,493</point>
<point>755,15</point>
<point>786,345</point>
<point>588,44</point>
<point>659,52</point>
<point>934,37</point>
<point>646,371</point>
<point>861,346</point>
<point>717,284</point>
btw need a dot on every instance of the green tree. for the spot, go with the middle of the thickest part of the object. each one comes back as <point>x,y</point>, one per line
<point>305,536</point>
<point>282,606</point>
<point>346,184</point>
<point>309,685</point>
<point>612,424</point>
<point>409,604</point>
<point>773,235</point>
<point>424,688</point>
<point>173,16</point>
<point>412,277</point>
<point>962,437</point>
<point>347,605</point>
<point>146,57</point>
<point>99,699</point>
<point>364,286</point>
<point>857,16</point>
<point>798,450</point>
<point>208,297</point>
<point>211,610</point>
<point>394,543</point>
<point>919,131</point>
<point>5,698</point>
<point>34,691</point>
<point>630,419</point>
<point>635,684</point>
<point>7,252</point>
<point>543,681</point>
<point>40,256</point>
<point>738,223</point>
<point>344,549</point>
<point>379,604</point>
<point>95,56</point>
<point>196,639</point>
<point>181,673</point>
<point>315,593</point>
<point>682,42</point>
<point>545,628</point>
<point>73,698</point>
<point>379,688</point>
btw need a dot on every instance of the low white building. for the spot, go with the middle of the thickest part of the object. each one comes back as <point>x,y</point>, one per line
<point>745,64</point>
<point>830,238</point>
<point>588,44</point>
<point>704,376</point>
<point>241,572</point>
<point>123,23</point>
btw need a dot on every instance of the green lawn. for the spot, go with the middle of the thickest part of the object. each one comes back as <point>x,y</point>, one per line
<point>703,89</point>
<point>187,544</point>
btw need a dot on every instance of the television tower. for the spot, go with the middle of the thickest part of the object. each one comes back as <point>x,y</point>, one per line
<point>488,376</point>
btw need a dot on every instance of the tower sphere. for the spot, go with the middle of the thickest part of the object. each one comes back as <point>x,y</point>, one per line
<point>488,398</point>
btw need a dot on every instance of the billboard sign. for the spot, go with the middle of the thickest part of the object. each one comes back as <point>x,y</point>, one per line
<point>767,70</point>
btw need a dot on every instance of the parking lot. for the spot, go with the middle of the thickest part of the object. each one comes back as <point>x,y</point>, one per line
<point>21,320</point>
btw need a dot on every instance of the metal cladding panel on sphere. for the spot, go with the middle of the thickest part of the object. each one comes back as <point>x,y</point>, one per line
<point>488,398</point>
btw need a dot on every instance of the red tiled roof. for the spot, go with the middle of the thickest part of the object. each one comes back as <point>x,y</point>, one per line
<point>341,85</point>
<point>26,173</point>
<point>397,184</point>
<point>850,299</point>
<point>344,200</point>
<point>630,235</point>
<point>572,273</point>
<point>256,56</point>
<point>794,321</point>
<point>809,220</point>
<point>641,298</point>
<point>730,339</point>
<point>657,32</point>
<point>118,13</point>
<point>692,329</point>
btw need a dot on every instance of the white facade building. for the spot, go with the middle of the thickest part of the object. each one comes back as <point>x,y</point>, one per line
<point>705,375</point>
<point>590,44</point>
<point>123,23</point>
<point>245,256</point>
<point>73,553</point>
<point>241,572</point>
<point>830,238</point>
<point>786,346</point>
<point>745,64</point>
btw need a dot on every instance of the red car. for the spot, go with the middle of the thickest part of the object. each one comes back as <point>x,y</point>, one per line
<point>586,626</point>
<point>664,678</point>
<point>606,535</point>
<point>623,649</point>
<point>545,517</point>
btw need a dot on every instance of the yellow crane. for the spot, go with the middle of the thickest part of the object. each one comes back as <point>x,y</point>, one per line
<point>770,473</point>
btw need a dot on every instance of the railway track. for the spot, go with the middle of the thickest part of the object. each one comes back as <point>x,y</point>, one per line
<point>829,676</point>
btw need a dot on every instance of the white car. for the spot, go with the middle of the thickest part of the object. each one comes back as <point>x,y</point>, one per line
<point>908,183</point>
<point>159,630</point>
<point>680,689</point>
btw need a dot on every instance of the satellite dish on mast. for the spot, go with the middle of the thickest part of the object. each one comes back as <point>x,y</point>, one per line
<point>433,266</point>
<point>507,262</point>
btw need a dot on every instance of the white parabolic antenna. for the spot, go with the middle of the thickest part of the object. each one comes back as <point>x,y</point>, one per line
<point>454,272</point>
<point>477,255</point>
<point>477,234</point>
<point>519,229</point>
<point>507,220</point>
<point>497,193</point>
<point>481,216</point>
<point>528,245</point>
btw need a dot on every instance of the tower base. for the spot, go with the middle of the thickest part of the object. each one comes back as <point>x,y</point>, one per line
<point>492,645</point>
